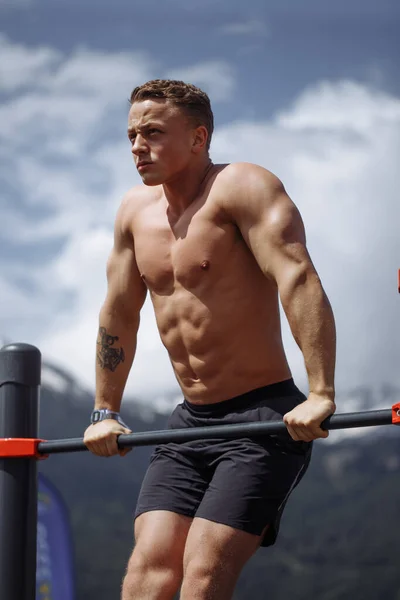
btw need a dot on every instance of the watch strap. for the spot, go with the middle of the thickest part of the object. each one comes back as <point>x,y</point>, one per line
<point>103,414</point>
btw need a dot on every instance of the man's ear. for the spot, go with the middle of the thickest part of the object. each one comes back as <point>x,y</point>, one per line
<point>200,138</point>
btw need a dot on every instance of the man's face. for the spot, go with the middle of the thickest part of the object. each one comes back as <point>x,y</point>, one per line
<point>161,138</point>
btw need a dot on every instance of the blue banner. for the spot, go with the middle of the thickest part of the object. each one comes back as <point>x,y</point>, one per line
<point>54,567</point>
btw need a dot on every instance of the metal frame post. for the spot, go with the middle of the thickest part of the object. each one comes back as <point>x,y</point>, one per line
<point>20,369</point>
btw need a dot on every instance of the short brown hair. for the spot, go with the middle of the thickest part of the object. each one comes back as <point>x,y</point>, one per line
<point>190,98</point>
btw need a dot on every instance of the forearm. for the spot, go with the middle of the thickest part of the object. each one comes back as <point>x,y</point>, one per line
<point>312,324</point>
<point>115,351</point>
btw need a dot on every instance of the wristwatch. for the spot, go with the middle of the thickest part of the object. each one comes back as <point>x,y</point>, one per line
<point>105,413</point>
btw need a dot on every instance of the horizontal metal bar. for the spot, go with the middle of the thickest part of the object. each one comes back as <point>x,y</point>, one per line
<point>150,438</point>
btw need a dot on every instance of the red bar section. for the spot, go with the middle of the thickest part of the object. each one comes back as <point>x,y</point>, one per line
<point>396,414</point>
<point>398,280</point>
<point>20,448</point>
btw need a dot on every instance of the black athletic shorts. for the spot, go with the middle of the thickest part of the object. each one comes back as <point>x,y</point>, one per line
<point>244,483</point>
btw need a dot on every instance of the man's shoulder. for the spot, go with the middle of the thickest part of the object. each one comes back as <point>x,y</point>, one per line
<point>133,202</point>
<point>242,184</point>
<point>137,197</point>
<point>140,192</point>
<point>252,194</point>
<point>242,174</point>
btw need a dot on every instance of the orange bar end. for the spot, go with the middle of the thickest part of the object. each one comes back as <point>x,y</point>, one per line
<point>20,448</point>
<point>396,414</point>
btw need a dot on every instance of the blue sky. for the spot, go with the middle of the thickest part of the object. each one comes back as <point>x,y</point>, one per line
<point>310,90</point>
<point>281,46</point>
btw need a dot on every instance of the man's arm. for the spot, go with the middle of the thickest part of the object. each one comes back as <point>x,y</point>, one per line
<point>273,230</point>
<point>119,318</point>
<point>116,341</point>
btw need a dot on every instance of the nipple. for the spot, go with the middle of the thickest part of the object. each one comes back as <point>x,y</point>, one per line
<point>205,265</point>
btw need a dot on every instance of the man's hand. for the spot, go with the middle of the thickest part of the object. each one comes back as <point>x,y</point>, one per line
<point>101,438</point>
<point>304,422</point>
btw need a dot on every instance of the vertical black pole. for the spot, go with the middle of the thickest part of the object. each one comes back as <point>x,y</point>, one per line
<point>20,367</point>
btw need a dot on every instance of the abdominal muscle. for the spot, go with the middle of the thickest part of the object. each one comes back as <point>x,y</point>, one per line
<point>226,346</point>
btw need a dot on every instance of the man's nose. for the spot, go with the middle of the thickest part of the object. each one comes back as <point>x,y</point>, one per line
<point>139,145</point>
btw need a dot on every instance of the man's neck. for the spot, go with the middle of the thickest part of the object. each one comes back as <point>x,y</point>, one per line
<point>187,186</point>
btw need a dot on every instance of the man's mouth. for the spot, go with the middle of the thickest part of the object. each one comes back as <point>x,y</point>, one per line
<point>143,163</point>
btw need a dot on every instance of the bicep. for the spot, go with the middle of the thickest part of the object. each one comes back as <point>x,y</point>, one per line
<point>284,252</point>
<point>273,229</point>
<point>126,291</point>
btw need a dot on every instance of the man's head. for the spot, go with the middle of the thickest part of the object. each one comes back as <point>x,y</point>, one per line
<point>170,125</point>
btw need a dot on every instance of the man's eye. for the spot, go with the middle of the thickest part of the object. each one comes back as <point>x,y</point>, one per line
<point>151,131</point>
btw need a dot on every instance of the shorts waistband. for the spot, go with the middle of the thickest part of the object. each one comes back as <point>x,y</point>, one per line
<point>274,390</point>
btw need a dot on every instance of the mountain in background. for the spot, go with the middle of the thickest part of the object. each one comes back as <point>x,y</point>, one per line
<point>339,537</point>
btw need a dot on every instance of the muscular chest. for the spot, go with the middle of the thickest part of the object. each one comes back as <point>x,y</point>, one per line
<point>194,252</point>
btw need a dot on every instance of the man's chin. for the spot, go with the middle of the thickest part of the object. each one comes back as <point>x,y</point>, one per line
<point>151,180</point>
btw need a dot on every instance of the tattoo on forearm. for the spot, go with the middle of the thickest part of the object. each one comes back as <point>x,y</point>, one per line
<point>108,357</point>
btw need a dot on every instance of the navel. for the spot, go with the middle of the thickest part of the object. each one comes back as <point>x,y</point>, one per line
<point>205,265</point>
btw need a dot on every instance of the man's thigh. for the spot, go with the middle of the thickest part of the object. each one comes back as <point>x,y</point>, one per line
<point>160,537</point>
<point>251,484</point>
<point>217,553</point>
<point>173,481</point>
<point>156,563</point>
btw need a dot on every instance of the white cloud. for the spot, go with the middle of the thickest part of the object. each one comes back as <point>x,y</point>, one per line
<point>66,166</point>
<point>215,77</point>
<point>346,107</point>
<point>19,66</point>
<point>251,27</point>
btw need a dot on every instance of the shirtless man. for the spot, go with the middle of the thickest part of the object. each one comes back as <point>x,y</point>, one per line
<point>214,245</point>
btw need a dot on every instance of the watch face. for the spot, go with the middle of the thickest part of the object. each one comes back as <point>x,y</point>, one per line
<point>96,416</point>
